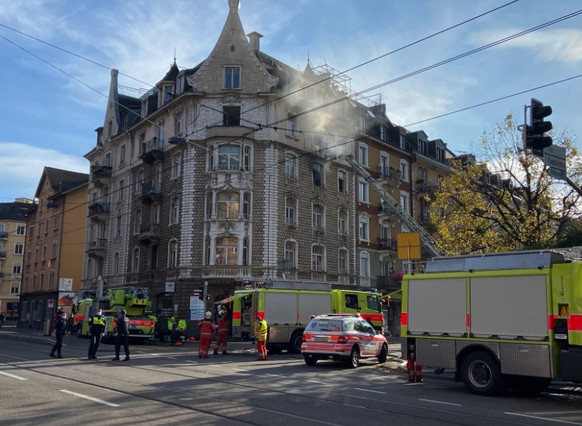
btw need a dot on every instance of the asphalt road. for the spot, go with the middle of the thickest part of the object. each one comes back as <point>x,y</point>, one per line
<point>164,384</point>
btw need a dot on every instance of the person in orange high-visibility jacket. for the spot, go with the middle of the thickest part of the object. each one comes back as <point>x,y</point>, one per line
<point>222,337</point>
<point>206,333</point>
<point>260,328</point>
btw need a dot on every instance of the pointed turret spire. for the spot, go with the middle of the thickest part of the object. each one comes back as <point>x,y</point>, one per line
<point>234,5</point>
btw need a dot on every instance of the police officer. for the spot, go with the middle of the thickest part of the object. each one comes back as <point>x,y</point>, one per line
<point>122,336</point>
<point>97,328</point>
<point>59,334</point>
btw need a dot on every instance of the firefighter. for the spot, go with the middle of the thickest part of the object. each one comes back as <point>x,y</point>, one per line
<point>171,328</point>
<point>222,336</point>
<point>97,329</point>
<point>176,338</point>
<point>60,328</point>
<point>154,319</point>
<point>260,328</point>
<point>206,332</point>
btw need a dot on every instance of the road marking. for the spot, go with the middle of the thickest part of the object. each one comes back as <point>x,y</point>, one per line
<point>171,357</point>
<point>440,402</point>
<point>192,362</point>
<point>275,375</point>
<point>80,395</point>
<point>368,390</point>
<point>13,376</point>
<point>242,371</point>
<point>542,418</point>
<point>307,419</point>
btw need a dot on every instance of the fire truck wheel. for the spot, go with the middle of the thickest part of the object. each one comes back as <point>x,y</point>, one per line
<point>310,360</point>
<point>383,354</point>
<point>295,342</point>
<point>354,359</point>
<point>481,374</point>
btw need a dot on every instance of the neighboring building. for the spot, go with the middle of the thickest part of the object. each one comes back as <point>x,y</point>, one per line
<point>54,246</point>
<point>230,173</point>
<point>12,235</point>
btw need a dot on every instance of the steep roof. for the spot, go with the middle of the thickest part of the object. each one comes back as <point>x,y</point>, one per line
<point>61,180</point>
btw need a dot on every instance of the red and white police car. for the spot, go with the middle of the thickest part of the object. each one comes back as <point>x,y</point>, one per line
<point>345,337</point>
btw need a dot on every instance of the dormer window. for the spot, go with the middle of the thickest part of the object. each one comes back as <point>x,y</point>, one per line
<point>232,77</point>
<point>168,93</point>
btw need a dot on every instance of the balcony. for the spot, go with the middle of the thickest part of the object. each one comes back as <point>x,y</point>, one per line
<point>422,186</point>
<point>390,176</point>
<point>97,248</point>
<point>149,234</point>
<point>98,211</point>
<point>227,131</point>
<point>100,175</point>
<point>387,244</point>
<point>386,210</point>
<point>151,192</point>
<point>3,235</point>
<point>152,151</point>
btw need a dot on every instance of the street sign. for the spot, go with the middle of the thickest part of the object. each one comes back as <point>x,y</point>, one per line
<point>555,158</point>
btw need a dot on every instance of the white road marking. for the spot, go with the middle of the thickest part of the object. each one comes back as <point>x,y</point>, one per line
<point>242,371</point>
<point>275,375</point>
<point>368,390</point>
<point>192,362</point>
<point>90,398</point>
<point>13,376</point>
<point>542,418</point>
<point>440,402</point>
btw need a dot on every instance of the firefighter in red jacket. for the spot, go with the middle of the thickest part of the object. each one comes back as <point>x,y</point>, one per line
<point>222,336</point>
<point>206,333</point>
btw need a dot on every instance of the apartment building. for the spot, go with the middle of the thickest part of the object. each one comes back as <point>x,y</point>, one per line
<point>231,173</point>
<point>53,249</point>
<point>12,235</point>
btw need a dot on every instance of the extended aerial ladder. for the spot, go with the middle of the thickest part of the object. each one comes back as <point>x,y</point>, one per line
<point>395,208</point>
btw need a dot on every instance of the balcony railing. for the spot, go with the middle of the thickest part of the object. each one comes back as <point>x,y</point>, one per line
<point>2,255</point>
<point>387,244</point>
<point>149,234</point>
<point>152,151</point>
<point>151,192</point>
<point>97,248</point>
<point>97,210</point>
<point>3,235</point>
<point>390,176</point>
<point>100,175</point>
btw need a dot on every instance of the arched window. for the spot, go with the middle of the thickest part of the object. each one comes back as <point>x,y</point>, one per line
<point>364,264</point>
<point>290,211</point>
<point>342,264</point>
<point>173,254</point>
<point>245,253</point>
<point>318,258</point>
<point>364,228</point>
<point>290,166</point>
<point>342,222</point>
<point>135,260</point>
<point>175,211</point>
<point>291,254</point>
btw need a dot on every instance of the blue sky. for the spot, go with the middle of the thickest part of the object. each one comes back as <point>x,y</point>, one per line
<point>48,118</point>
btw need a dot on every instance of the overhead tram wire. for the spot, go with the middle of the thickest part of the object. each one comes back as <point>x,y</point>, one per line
<point>560,19</point>
<point>300,89</point>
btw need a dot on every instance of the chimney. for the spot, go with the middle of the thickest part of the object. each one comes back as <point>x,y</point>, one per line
<point>255,40</point>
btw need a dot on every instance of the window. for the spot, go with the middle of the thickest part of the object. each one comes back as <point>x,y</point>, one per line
<point>46,227</point>
<point>290,125</point>
<point>137,222</point>
<point>290,211</point>
<point>18,249</point>
<point>363,154</point>
<point>122,155</point>
<point>342,264</point>
<point>384,165</point>
<point>364,264</point>
<point>403,142</point>
<point>118,227</point>
<point>341,181</point>
<point>232,77</point>
<point>135,260</point>
<point>228,157</point>
<point>41,280</point>
<point>160,141</point>
<point>116,263</point>
<point>226,251</point>
<point>245,253</point>
<point>404,201</point>
<point>422,147</point>
<point>178,123</point>
<point>317,258</point>
<point>52,279</point>
<point>317,216</point>
<point>317,174</point>
<point>168,93</point>
<point>121,186</point>
<point>342,220</point>
<point>173,254</point>
<point>227,205</point>
<point>291,254</point>
<point>246,205</point>
<point>56,221</point>
<point>364,228</point>
<point>363,191</point>
<point>440,155</point>
<point>20,230</point>
<point>154,258</point>
<point>54,250</point>
<point>247,158</point>
<point>17,268</point>
<point>175,211</point>
<point>404,170</point>
<point>382,133</point>
<point>176,166</point>
<point>231,116</point>
<point>207,250</point>
<point>290,166</point>
<point>155,214</point>
<point>31,232</point>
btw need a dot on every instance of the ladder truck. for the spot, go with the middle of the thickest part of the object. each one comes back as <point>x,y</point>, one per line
<point>394,207</point>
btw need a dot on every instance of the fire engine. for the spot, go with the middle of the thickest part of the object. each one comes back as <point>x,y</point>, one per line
<point>136,303</point>
<point>289,305</point>
<point>505,320</point>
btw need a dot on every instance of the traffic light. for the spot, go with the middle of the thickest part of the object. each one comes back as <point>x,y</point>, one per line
<point>535,137</point>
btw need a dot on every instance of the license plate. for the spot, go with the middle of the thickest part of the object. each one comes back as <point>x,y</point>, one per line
<point>320,338</point>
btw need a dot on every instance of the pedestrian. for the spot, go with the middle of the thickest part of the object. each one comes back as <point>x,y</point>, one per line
<point>96,330</point>
<point>1,319</point>
<point>222,334</point>
<point>206,332</point>
<point>260,328</point>
<point>59,334</point>
<point>122,335</point>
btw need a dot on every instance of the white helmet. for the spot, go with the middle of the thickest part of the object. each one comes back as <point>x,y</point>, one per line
<point>208,315</point>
